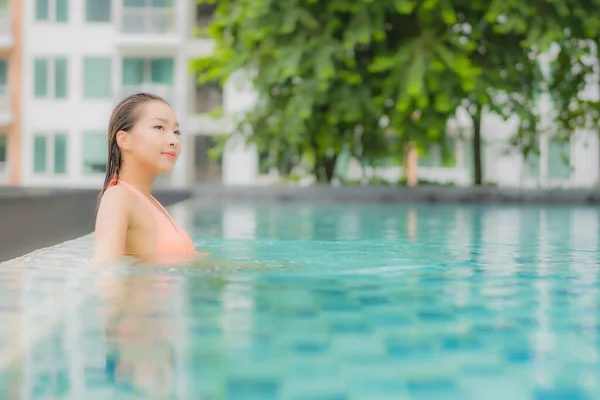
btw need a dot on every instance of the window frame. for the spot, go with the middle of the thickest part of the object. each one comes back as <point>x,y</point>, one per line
<point>52,12</point>
<point>5,165</point>
<point>50,167</point>
<point>51,77</point>
<point>110,13</point>
<point>110,77</point>
<point>90,132</point>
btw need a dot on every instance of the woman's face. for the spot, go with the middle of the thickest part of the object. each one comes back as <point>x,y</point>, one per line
<point>153,142</point>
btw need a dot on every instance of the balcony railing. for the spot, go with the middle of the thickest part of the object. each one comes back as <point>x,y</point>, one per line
<point>4,22</point>
<point>4,98</point>
<point>164,91</point>
<point>148,20</point>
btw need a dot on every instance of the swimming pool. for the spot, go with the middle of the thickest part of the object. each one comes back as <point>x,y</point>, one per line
<point>339,302</point>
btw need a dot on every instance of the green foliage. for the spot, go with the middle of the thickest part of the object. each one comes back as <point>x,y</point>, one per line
<point>369,76</point>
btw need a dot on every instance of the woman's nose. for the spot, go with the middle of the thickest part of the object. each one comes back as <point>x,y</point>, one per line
<point>173,139</point>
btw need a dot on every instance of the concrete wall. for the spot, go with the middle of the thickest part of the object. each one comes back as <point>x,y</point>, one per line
<point>35,218</point>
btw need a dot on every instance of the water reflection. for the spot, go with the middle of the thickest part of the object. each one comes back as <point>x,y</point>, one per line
<point>141,332</point>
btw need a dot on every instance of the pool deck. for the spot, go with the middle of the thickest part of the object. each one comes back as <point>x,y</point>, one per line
<point>32,218</point>
<point>402,194</point>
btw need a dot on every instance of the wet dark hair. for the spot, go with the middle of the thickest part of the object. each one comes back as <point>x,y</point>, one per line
<point>123,118</point>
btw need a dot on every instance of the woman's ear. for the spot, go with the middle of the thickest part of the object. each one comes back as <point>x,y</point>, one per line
<point>123,140</point>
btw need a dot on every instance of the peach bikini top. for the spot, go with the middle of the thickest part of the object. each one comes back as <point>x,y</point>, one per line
<point>172,243</point>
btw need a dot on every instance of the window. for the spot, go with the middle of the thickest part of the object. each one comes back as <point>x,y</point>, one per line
<point>97,78</point>
<point>204,17</point>
<point>50,153</point>
<point>148,3</point>
<point>205,167</point>
<point>439,157</point>
<point>152,75</point>
<point>46,87</point>
<point>138,71</point>
<point>4,96</point>
<point>42,10</point>
<point>209,97</point>
<point>60,153</point>
<point>40,152</point>
<point>95,152</point>
<point>52,10</point>
<point>41,78</point>
<point>148,16</point>
<point>62,10</point>
<point>3,152</point>
<point>60,78</point>
<point>532,165</point>
<point>98,10</point>
<point>3,72</point>
<point>559,159</point>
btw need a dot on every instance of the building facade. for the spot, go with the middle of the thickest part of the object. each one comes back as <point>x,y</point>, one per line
<point>80,57</point>
<point>10,91</point>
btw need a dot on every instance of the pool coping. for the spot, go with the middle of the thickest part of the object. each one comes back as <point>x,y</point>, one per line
<point>398,194</point>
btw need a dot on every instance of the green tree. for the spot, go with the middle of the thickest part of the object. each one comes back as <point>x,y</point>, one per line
<point>505,86</point>
<point>564,37</point>
<point>338,74</point>
<point>574,70</point>
<point>371,76</point>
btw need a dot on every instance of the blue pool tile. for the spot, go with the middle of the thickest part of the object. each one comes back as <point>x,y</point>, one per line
<point>458,343</point>
<point>435,316</point>
<point>518,356</point>
<point>340,308</point>
<point>474,311</point>
<point>332,294</point>
<point>349,327</point>
<point>378,387</point>
<point>285,315</point>
<point>432,387</point>
<point>250,389</point>
<point>311,370</point>
<point>391,319</point>
<point>527,322</point>
<point>483,370</point>
<point>374,301</point>
<point>309,348</point>
<point>403,349</point>
<point>561,394</point>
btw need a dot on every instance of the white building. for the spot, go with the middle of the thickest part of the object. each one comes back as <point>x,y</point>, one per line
<point>80,57</point>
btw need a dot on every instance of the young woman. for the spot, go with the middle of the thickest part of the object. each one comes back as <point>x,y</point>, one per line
<point>143,143</point>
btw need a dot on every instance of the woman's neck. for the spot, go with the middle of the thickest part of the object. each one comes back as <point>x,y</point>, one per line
<point>142,182</point>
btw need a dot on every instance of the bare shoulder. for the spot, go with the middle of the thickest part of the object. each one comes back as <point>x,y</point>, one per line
<point>115,201</point>
<point>112,223</point>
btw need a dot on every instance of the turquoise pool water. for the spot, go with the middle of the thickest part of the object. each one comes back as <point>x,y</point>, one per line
<point>335,302</point>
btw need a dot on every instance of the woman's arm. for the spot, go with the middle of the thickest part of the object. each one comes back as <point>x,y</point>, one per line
<point>112,222</point>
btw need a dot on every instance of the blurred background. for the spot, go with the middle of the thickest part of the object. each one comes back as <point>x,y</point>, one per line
<point>348,92</point>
